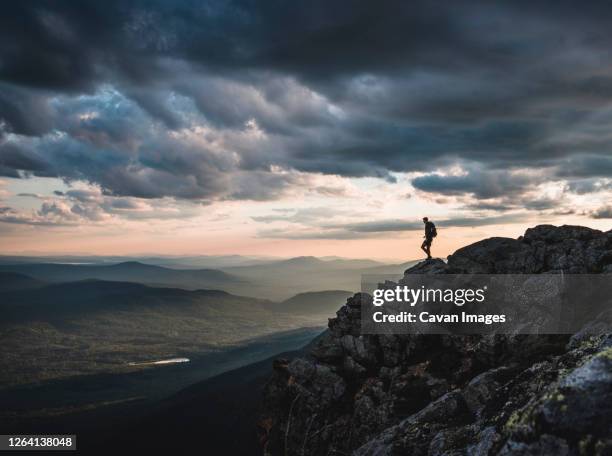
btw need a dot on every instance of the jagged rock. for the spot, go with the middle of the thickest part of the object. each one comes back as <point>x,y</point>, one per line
<point>280,364</point>
<point>390,349</point>
<point>408,437</point>
<point>316,381</point>
<point>485,442</point>
<point>449,442</point>
<point>546,445</point>
<point>594,330</point>
<point>413,390</point>
<point>455,395</point>
<point>327,349</point>
<point>443,409</point>
<point>482,389</point>
<point>582,401</point>
<point>494,256</point>
<point>432,266</point>
<point>361,349</point>
<point>351,368</point>
<point>545,248</point>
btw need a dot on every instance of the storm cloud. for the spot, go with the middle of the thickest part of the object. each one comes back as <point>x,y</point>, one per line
<point>236,100</point>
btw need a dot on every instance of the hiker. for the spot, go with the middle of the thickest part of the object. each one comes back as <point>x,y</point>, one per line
<point>430,233</point>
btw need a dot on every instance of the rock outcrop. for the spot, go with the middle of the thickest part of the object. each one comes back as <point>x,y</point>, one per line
<point>453,395</point>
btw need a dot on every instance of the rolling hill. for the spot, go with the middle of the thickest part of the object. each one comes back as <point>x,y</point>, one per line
<point>317,302</point>
<point>10,281</point>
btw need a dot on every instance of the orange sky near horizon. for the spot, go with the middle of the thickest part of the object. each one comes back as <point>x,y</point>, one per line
<point>358,223</point>
<point>393,246</point>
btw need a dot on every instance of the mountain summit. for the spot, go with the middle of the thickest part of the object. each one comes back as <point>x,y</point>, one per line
<point>439,395</point>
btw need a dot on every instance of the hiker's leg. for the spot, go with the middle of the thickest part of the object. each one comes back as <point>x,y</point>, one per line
<point>424,246</point>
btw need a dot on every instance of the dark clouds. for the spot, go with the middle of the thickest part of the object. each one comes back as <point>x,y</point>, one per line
<point>482,184</point>
<point>227,100</point>
<point>602,213</point>
<point>14,158</point>
<point>592,185</point>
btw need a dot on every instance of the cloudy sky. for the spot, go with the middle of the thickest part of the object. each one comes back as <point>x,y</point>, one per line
<point>297,128</point>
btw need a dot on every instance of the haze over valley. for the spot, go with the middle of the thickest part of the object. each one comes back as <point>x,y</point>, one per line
<point>104,324</point>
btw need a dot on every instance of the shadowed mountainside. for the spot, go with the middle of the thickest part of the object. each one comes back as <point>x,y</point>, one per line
<point>276,280</point>
<point>10,281</point>
<point>91,326</point>
<point>220,411</point>
<point>321,302</point>
<point>99,406</point>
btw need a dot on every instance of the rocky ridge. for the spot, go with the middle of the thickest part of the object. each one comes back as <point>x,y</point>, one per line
<point>453,395</point>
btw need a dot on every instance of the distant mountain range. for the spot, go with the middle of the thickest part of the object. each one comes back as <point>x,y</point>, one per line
<point>177,262</point>
<point>130,271</point>
<point>327,263</point>
<point>173,261</point>
<point>277,280</point>
<point>281,279</point>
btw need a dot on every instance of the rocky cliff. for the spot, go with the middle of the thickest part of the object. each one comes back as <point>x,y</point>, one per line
<point>453,395</point>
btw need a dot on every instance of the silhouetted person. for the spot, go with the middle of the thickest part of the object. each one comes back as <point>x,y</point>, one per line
<point>430,233</point>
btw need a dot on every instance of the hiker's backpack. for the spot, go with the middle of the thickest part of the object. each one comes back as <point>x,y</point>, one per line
<point>433,230</point>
